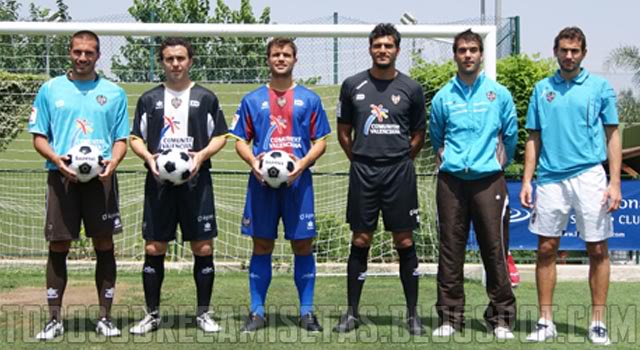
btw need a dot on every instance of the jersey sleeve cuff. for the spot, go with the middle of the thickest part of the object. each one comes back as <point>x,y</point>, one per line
<point>324,137</point>
<point>234,136</point>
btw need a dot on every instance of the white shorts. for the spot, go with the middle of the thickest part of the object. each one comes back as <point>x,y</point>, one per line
<point>583,194</point>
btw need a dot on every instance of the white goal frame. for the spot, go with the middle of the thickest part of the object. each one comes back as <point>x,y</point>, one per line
<point>488,32</point>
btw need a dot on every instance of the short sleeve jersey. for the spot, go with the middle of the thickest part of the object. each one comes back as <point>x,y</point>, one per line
<point>571,116</point>
<point>187,119</point>
<point>383,114</point>
<point>281,120</point>
<point>70,112</point>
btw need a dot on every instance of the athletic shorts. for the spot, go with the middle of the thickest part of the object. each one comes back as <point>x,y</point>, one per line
<point>265,206</point>
<point>190,204</point>
<point>95,203</point>
<point>582,193</point>
<point>387,188</point>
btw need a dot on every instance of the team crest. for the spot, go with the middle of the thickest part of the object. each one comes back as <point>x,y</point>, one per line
<point>101,99</point>
<point>176,102</point>
<point>281,101</point>
<point>395,99</point>
<point>550,96</point>
<point>491,96</point>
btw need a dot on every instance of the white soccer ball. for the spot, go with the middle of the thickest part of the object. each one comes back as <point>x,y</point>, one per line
<point>275,167</point>
<point>174,166</point>
<point>86,161</point>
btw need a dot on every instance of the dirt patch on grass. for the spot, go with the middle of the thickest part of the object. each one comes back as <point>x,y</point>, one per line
<point>75,294</point>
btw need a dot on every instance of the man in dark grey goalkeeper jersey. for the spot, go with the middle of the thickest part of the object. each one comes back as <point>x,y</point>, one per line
<point>381,128</point>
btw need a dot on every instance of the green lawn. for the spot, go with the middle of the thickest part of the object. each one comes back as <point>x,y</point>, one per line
<point>382,300</point>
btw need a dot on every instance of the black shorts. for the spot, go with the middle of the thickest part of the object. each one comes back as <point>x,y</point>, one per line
<point>390,188</point>
<point>95,203</point>
<point>190,204</point>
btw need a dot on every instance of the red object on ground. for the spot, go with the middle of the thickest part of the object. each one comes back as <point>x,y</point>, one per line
<point>514,275</point>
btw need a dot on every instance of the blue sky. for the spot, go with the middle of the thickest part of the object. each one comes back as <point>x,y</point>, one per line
<point>606,23</point>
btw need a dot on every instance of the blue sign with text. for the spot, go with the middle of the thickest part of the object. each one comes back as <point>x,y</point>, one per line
<point>626,223</point>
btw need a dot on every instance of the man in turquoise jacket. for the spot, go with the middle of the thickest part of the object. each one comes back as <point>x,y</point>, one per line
<point>474,132</point>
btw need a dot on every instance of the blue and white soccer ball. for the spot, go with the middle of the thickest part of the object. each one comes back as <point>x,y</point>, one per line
<point>275,167</point>
<point>174,166</point>
<point>86,161</point>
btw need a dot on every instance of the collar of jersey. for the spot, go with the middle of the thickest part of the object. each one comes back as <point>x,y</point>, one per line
<point>84,85</point>
<point>462,87</point>
<point>579,79</point>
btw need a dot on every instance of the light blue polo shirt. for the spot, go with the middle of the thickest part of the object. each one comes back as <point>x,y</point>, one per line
<point>571,116</point>
<point>470,122</point>
<point>69,112</point>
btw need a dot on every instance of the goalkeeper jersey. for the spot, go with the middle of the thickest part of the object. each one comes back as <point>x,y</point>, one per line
<point>69,112</point>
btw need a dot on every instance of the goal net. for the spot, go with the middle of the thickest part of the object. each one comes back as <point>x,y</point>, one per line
<point>230,61</point>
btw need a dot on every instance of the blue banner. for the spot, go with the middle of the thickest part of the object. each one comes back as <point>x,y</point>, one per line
<point>626,223</point>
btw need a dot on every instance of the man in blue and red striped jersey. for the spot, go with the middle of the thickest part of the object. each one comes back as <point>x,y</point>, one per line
<point>288,117</point>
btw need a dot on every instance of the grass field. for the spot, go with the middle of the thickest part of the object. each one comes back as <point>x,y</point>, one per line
<point>382,303</point>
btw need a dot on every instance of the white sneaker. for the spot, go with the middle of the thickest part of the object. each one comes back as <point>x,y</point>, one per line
<point>544,330</point>
<point>598,334</point>
<point>207,324</point>
<point>52,329</point>
<point>149,323</point>
<point>106,328</point>
<point>502,332</point>
<point>446,330</point>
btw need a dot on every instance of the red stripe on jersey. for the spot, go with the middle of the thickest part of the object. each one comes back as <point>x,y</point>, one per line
<point>312,131</point>
<point>281,119</point>
<point>249,128</point>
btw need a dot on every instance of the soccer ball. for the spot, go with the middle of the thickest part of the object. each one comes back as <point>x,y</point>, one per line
<point>174,166</point>
<point>86,161</point>
<point>275,167</point>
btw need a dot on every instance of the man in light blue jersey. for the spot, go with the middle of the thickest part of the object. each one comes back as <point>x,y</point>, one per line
<point>75,108</point>
<point>570,116</point>
<point>474,132</point>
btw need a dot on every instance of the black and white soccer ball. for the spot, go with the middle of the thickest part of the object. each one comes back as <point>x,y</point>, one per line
<point>86,161</point>
<point>174,166</point>
<point>275,167</point>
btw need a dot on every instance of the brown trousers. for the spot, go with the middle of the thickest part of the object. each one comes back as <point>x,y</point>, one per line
<point>485,203</point>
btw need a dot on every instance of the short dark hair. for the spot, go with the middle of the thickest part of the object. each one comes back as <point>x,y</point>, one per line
<point>82,33</point>
<point>384,29</point>
<point>176,42</point>
<point>572,33</point>
<point>279,42</point>
<point>468,35</point>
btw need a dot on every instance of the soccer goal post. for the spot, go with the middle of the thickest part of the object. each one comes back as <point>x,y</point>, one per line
<point>230,60</point>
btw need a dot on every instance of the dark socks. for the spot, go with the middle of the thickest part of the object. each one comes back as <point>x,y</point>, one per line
<point>356,274</point>
<point>409,277</point>
<point>56,282</point>
<point>152,277</point>
<point>204,275</point>
<point>105,280</point>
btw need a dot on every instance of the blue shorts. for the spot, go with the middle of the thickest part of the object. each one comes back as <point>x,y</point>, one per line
<point>265,206</point>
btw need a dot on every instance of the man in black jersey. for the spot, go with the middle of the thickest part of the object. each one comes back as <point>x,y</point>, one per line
<point>381,128</point>
<point>182,115</point>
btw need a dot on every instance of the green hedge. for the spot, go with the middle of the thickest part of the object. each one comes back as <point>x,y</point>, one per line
<point>16,96</point>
